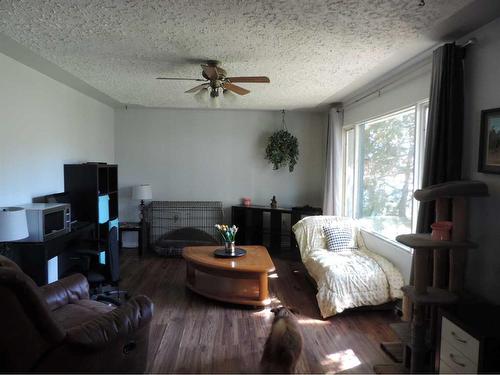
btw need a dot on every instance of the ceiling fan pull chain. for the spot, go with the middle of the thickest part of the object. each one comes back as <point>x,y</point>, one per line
<point>283,123</point>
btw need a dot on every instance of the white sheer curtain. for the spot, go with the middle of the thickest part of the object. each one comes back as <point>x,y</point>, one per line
<point>332,200</point>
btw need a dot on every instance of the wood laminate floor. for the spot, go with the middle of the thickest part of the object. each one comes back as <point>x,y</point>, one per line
<point>190,333</point>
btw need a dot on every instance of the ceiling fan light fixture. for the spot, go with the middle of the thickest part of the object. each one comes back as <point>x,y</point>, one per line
<point>217,82</point>
<point>214,92</point>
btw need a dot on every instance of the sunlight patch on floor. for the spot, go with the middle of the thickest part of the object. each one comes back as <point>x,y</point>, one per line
<point>275,302</point>
<point>341,361</point>
<point>266,312</point>
<point>309,321</point>
<point>272,302</point>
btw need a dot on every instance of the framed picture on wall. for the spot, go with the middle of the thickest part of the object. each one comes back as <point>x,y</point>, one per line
<point>489,146</point>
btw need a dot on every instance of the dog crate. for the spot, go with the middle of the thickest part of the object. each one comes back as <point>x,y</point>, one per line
<point>176,224</point>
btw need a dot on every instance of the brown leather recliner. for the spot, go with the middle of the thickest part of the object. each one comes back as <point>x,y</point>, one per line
<point>57,328</point>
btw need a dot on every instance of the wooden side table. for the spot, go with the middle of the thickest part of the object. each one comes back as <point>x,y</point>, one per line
<point>142,234</point>
<point>34,257</point>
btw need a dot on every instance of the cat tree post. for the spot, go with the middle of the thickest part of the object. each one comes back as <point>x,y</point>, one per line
<point>457,255</point>
<point>449,257</point>
<point>440,264</point>
<point>421,259</point>
<point>440,278</point>
<point>418,346</point>
<point>421,264</point>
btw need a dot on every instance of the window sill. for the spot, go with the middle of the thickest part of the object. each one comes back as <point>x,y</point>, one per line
<point>394,243</point>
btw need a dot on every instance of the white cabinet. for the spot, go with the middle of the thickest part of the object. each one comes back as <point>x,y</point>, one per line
<point>469,339</point>
<point>459,350</point>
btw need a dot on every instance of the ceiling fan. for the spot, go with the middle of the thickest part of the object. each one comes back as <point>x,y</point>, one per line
<point>216,80</point>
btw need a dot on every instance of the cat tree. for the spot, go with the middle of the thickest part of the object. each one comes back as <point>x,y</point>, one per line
<point>439,281</point>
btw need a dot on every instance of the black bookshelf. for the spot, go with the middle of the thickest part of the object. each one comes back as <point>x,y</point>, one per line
<point>87,184</point>
<point>254,231</point>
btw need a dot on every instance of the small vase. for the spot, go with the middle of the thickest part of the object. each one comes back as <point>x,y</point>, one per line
<point>441,230</point>
<point>230,247</point>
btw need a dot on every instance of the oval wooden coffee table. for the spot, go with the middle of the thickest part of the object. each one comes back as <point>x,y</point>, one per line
<point>242,280</point>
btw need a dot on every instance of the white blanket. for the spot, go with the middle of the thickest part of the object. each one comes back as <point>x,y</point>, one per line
<point>349,278</point>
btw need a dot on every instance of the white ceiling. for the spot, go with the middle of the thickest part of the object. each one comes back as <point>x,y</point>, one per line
<point>310,49</point>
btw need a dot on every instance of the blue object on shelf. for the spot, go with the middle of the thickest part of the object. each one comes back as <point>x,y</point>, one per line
<point>103,209</point>
<point>113,224</point>
<point>102,257</point>
<point>52,270</point>
<point>102,254</point>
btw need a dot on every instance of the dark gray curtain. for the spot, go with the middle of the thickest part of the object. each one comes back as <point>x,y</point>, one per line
<point>443,145</point>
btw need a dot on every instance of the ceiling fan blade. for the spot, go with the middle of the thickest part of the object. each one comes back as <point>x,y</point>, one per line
<point>197,88</point>
<point>236,89</point>
<point>182,79</point>
<point>256,79</point>
<point>210,71</point>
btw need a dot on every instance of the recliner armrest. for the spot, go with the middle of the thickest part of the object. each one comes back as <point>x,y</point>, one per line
<point>120,322</point>
<point>66,290</point>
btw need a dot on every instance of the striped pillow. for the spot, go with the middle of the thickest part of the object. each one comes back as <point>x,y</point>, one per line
<point>340,238</point>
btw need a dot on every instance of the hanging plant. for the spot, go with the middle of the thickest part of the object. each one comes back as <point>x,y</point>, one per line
<point>283,148</point>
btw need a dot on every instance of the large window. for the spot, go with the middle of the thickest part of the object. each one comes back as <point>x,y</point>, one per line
<point>382,159</point>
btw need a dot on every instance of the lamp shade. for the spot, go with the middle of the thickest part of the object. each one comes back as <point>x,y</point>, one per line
<point>13,224</point>
<point>142,192</point>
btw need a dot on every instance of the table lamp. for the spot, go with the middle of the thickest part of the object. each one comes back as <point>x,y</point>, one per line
<point>142,193</point>
<point>13,226</point>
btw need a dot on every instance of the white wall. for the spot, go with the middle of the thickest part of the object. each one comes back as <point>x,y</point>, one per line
<point>44,124</point>
<point>412,88</point>
<point>482,91</point>
<point>216,155</point>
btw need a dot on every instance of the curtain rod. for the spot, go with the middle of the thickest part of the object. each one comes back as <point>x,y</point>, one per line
<point>468,43</point>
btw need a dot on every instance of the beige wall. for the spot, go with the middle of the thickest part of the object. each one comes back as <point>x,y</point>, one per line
<point>44,124</point>
<point>216,155</point>
<point>482,91</point>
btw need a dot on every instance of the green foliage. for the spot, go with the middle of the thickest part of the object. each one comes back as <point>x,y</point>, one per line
<point>387,156</point>
<point>282,149</point>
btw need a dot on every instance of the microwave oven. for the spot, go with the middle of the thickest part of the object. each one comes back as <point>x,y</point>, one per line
<point>47,221</point>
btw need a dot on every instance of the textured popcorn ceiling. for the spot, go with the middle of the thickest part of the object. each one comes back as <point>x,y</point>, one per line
<point>310,49</point>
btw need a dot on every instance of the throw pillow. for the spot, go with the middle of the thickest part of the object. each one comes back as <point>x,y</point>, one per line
<point>339,238</point>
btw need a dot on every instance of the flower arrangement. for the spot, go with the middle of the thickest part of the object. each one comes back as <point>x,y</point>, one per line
<point>228,233</point>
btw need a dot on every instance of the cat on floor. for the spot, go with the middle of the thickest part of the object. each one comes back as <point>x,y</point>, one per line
<point>284,344</point>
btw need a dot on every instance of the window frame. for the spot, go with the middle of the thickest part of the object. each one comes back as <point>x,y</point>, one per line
<point>421,109</point>
<point>422,118</point>
<point>345,151</point>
